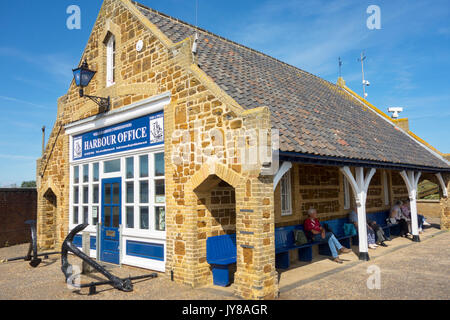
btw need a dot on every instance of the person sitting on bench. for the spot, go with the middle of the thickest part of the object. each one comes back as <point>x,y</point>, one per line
<point>406,210</point>
<point>319,234</point>
<point>396,216</point>
<point>374,231</point>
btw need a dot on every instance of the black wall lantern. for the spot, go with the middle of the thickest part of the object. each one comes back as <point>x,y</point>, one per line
<point>83,77</point>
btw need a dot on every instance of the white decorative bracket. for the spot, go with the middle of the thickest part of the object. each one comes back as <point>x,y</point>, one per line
<point>360,185</point>
<point>411,179</point>
<point>285,167</point>
<point>442,183</point>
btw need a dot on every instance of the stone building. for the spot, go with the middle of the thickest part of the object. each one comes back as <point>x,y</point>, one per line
<point>190,146</point>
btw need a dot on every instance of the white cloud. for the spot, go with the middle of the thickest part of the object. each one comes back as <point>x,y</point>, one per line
<point>17,157</point>
<point>56,64</point>
<point>12,99</point>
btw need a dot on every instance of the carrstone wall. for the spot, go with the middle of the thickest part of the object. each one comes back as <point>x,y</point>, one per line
<point>197,106</point>
<point>322,188</point>
<point>445,205</point>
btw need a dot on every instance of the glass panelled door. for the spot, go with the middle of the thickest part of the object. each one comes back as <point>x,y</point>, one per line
<point>111,220</point>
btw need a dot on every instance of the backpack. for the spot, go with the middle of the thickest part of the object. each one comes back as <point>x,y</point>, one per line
<point>349,229</point>
<point>300,238</point>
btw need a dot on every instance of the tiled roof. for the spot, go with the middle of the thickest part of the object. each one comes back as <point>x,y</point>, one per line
<point>313,115</point>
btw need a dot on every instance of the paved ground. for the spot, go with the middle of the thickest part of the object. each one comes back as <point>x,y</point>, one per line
<point>408,271</point>
<point>419,271</point>
<point>19,281</point>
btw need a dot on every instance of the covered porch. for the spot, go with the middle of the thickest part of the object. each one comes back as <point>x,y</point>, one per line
<point>335,189</point>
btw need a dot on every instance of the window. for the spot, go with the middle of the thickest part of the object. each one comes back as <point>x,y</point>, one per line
<point>85,205</point>
<point>130,217</point>
<point>160,219</point>
<point>145,192</point>
<point>144,218</point>
<point>75,215</point>
<point>85,173</point>
<point>86,215</point>
<point>130,168</point>
<point>386,188</point>
<point>346,194</point>
<point>111,61</point>
<point>159,165</point>
<point>76,175</point>
<point>143,165</point>
<point>96,172</point>
<point>112,166</point>
<point>286,203</point>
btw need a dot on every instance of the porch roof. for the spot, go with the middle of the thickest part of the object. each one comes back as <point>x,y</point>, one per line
<point>314,117</point>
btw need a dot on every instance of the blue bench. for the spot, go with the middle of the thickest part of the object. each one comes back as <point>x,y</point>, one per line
<point>221,253</point>
<point>337,226</point>
<point>380,218</point>
<point>285,242</point>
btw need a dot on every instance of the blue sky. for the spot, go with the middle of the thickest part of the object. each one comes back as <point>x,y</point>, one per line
<point>408,60</point>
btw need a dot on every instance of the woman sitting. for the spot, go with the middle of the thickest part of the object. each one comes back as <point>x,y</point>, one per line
<point>319,234</point>
<point>372,229</point>
<point>406,210</point>
<point>396,216</point>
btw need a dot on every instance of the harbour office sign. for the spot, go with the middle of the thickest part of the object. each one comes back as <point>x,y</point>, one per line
<point>130,135</point>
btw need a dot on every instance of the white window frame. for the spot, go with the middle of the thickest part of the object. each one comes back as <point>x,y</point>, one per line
<point>285,183</point>
<point>90,204</point>
<point>347,203</point>
<point>110,61</point>
<point>386,188</point>
<point>151,204</point>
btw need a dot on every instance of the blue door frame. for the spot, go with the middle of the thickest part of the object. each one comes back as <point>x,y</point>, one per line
<point>111,220</point>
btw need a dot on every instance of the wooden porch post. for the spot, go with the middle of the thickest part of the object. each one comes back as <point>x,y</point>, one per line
<point>412,179</point>
<point>360,185</point>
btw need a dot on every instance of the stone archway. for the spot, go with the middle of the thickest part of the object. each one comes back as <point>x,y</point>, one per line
<point>46,224</point>
<point>214,189</point>
<point>216,216</point>
<point>256,276</point>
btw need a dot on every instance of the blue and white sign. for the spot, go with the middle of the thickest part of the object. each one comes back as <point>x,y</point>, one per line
<point>134,134</point>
